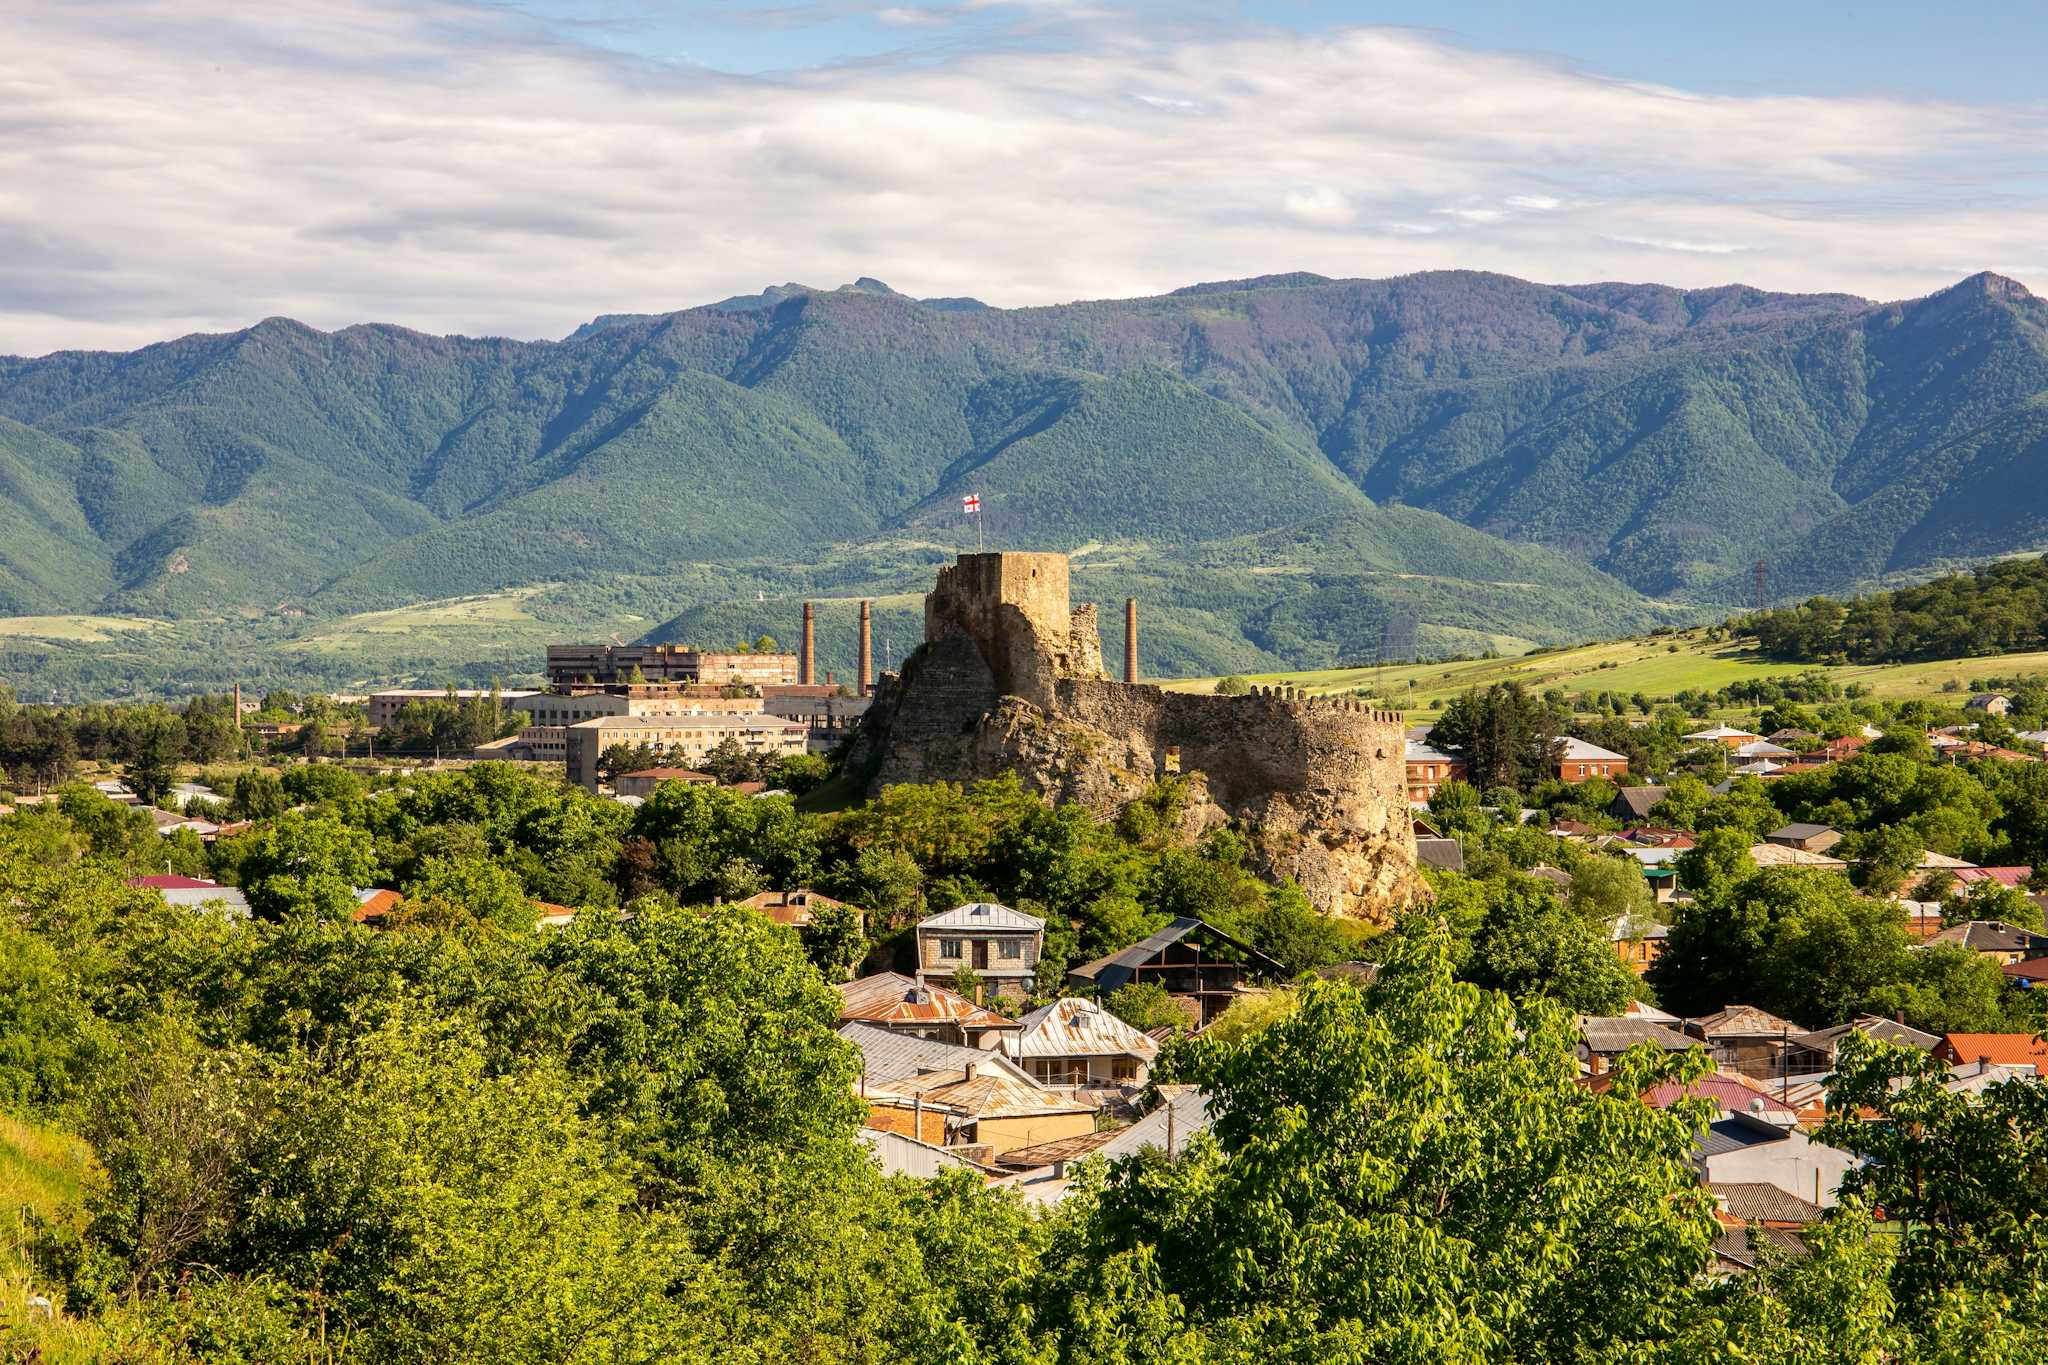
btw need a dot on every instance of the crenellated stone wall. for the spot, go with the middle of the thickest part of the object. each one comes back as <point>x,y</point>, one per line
<point>1009,679</point>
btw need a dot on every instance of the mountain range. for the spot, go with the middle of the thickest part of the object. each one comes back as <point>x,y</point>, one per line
<point>1287,462</point>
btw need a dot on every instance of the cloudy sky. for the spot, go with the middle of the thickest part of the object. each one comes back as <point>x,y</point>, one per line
<point>518,166</point>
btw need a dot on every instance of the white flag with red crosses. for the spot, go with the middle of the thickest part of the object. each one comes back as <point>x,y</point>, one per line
<point>971,503</point>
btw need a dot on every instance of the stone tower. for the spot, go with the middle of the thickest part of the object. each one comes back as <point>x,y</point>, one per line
<point>1009,680</point>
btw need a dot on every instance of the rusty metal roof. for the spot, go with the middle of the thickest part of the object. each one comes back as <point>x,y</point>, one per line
<point>887,1055</point>
<point>1078,1028</point>
<point>989,1095</point>
<point>890,998</point>
<point>1060,1149</point>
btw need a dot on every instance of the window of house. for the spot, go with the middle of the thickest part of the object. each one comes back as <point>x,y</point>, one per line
<point>1011,948</point>
<point>1125,1069</point>
<point>949,947</point>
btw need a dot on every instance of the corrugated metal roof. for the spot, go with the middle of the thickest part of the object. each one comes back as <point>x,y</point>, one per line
<point>1736,1133</point>
<point>889,998</point>
<point>1446,854</point>
<point>1754,1201</point>
<point>1619,1035</point>
<point>1579,750</point>
<point>1988,936</point>
<point>887,1055</point>
<point>1078,1028</point>
<point>1060,1149</point>
<point>1118,967</point>
<point>1739,1247</point>
<point>981,915</point>
<point>1742,1021</point>
<point>1888,1030</point>
<point>2007,1049</point>
<point>899,1154</point>
<point>1184,1110</point>
<point>1783,855</point>
<point>1417,751</point>
<point>990,1095</point>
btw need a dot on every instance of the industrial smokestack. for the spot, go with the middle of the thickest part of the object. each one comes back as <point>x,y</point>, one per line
<point>1130,639</point>
<point>807,652</point>
<point>867,654</point>
<point>238,706</point>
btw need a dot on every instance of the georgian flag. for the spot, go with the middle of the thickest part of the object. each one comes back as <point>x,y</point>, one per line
<point>971,503</point>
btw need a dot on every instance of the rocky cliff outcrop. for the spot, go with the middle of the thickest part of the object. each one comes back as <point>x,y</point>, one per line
<point>1009,680</point>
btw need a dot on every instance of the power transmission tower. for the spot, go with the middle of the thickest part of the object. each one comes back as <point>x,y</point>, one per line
<point>1761,572</point>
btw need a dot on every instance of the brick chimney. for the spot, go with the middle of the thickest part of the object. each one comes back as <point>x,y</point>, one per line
<point>867,653</point>
<point>1130,639</point>
<point>807,651</point>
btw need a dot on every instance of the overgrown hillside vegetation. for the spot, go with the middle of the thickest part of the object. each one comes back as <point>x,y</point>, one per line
<point>1651,443</point>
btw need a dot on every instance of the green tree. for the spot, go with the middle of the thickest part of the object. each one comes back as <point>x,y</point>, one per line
<point>1232,685</point>
<point>1509,736</point>
<point>710,1039</point>
<point>1406,1204</point>
<point>155,749</point>
<point>1288,930</point>
<point>1880,859</point>
<point>1605,889</point>
<point>1746,808</point>
<point>834,941</point>
<point>1957,1173</point>
<point>1145,1005</point>
<point>467,888</point>
<point>259,795</point>
<point>1719,859</point>
<point>302,864</point>
<point>1530,945</point>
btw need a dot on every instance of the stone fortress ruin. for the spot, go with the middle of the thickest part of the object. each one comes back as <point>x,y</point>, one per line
<point>1010,679</point>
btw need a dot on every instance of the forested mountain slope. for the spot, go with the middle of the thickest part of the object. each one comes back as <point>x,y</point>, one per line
<point>1662,438</point>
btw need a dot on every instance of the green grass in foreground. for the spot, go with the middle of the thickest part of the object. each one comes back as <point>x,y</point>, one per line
<point>1648,665</point>
<point>42,1172</point>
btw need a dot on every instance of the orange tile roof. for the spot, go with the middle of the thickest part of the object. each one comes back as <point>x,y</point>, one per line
<point>375,907</point>
<point>2001,1049</point>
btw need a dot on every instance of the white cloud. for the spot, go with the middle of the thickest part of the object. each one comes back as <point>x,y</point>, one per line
<point>1680,244</point>
<point>200,164</point>
<point>1472,215</point>
<point>1319,204</point>
<point>909,16</point>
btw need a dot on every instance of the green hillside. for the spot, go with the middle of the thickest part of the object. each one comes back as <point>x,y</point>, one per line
<point>1505,461</point>
<point>1657,666</point>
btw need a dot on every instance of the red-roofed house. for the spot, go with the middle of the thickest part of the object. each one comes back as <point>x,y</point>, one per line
<point>1728,1092</point>
<point>794,908</point>
<point>2000,1049</point>
<point>372,907</point>
<point>2014,877</point>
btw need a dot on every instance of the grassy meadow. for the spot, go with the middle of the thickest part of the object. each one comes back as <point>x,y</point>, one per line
<point>1658,666</point>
